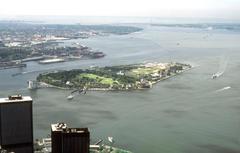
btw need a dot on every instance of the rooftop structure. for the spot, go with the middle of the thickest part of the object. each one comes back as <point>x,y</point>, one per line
<point>15,98</point>
<point>69,140</point>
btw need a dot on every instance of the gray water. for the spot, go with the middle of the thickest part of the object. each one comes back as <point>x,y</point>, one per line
<point>185,114</point>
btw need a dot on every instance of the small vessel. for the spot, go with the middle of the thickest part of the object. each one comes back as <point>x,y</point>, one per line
<point>222,68</point>
<point>216,75</point>
<point>70,97</point>
<point>226,88</point>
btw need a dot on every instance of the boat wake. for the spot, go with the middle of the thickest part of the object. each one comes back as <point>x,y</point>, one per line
<point>223,89</point>
<point>27,72</point>
<point>222,68</point>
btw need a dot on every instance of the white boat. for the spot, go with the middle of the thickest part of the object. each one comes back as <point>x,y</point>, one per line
<point>55,60</point>
<point>216,75</point>
<point>226,88</point>
<point>70,97</point>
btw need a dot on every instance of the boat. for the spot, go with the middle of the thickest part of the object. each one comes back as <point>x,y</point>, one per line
<point>49,61</point>
<point>216,75</point>
<point>70,97</point>
<point>222,68</point>
<point>226,88</point>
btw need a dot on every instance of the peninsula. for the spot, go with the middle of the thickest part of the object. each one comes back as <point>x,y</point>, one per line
<point>21,42</point>
<point>123,77</point>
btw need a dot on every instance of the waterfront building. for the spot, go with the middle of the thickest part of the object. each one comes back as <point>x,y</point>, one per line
<point>69,140</point>
<point>16,124</point>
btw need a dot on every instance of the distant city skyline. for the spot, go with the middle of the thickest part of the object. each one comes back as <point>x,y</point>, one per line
<point>227,9</point>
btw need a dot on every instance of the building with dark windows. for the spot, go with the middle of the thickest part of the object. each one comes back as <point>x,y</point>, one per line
<point>16,124</point>
<point>69,140</point>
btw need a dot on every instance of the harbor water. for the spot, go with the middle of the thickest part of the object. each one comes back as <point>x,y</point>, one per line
<point>188,113</point>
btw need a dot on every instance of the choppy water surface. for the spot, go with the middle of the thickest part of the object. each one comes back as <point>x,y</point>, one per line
<point>188,113</point>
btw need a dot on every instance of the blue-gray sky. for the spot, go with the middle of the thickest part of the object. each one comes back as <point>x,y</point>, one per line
<point>228,9</point>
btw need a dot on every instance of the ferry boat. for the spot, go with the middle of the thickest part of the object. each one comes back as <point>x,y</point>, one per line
<point>49,61</point>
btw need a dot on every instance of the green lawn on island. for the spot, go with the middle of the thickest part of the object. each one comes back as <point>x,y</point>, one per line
<point>100,79</point>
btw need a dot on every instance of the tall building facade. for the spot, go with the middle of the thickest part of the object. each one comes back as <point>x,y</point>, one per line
<point>69,140</point>
<point>16,124</point>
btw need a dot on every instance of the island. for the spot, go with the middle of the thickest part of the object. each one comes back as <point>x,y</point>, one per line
<point>123,77</point>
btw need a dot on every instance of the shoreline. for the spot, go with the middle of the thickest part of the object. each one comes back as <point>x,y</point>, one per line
<point>13,66</point>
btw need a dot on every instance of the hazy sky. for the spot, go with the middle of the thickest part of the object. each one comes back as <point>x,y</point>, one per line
<point>158,8</point>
